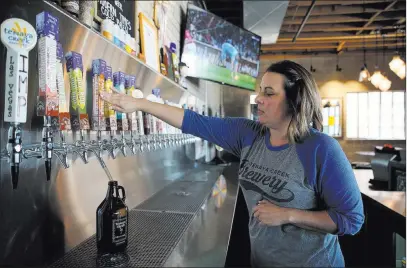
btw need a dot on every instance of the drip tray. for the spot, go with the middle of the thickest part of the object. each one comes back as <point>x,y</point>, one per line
<point>152,238</point>
<point>179,196</point>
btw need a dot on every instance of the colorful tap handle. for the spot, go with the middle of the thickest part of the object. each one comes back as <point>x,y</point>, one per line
<point>19,37</point>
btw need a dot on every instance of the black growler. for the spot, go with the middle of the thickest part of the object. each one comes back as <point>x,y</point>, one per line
<point>112,221</point>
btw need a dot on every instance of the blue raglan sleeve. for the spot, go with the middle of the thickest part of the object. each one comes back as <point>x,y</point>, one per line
<point>338,187</point>
<point>232,134</point>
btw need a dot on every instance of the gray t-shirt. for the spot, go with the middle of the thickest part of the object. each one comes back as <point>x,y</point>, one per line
<point>312,175</point>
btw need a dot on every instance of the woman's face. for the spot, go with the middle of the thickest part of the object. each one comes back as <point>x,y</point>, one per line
<point>271,101</point>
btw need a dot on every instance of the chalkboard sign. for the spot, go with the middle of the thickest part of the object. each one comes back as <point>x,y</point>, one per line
<point>121,12</point>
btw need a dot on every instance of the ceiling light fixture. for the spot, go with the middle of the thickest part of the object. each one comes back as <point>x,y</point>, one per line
<point>364,74</point>
<point>377,76</point>
<point>385,83</point>
<point>397,65</point>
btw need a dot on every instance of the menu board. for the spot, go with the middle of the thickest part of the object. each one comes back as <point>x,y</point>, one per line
<point>121,12</point>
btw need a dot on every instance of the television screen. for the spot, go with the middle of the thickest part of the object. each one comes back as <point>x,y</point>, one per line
<point>217,50</point>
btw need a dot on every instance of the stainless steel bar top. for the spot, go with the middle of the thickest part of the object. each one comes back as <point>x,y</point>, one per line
<point>186,224</point>
<point>206,242</point>
<point>394,200</point>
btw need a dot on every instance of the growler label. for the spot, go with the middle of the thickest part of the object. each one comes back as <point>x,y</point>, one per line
<point>119,227</point>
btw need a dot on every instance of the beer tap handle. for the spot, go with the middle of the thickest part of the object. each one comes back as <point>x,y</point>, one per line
<point>16,85</point>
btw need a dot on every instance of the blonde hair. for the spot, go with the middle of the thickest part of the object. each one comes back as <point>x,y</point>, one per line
<point>303,99</point>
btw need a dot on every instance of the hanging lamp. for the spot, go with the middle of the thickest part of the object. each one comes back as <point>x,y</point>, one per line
<point>364,74</point>
<point>397,65</point>
<point>385,83</point>
<point>377,75</point>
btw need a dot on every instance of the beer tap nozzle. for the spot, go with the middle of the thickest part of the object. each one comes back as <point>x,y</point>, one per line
<point>123,144</point>
<point>97,148</point>
<point>133,143</point>
<point>47,143</point>
<point>61,152</point>
<point>14,152</point>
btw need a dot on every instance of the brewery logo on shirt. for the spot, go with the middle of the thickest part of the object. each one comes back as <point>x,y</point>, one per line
<point>254,177</point>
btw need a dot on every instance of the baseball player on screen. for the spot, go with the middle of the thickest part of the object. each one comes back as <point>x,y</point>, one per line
<point>228,50</point>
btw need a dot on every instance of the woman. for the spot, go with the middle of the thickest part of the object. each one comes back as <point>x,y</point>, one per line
<point>298,184</point>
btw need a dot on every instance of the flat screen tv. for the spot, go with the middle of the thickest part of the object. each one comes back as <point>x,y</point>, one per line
<point>217,50</point>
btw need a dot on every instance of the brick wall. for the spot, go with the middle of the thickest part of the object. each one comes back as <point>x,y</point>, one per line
<point>333,84</point>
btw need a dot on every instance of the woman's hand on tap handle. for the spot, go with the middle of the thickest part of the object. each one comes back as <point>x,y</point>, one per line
<point>127,104</point>
<point>120,102</point>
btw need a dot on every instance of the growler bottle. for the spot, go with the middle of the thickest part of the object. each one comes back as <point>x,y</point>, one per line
<point>112,221</point>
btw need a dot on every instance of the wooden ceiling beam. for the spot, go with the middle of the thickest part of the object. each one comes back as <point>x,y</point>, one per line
<point>301,54</point>
<point>337,19</point>
<point>337,38</point>
<point>330,41</point>
<point>304,21</point>
<point>339,10</point>
<point>338,48</point>
<point>376,15</point>
<point>401,21</point>
<point>332,28</point>
<point>337,2</point>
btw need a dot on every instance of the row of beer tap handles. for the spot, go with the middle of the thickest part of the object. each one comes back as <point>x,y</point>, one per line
<point>15,114</point>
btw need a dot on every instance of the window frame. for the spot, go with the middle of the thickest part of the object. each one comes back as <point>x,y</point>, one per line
<point>345,110</point>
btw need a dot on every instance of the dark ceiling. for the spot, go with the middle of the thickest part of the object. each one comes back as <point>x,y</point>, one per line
<point>230,10</point>
<point>341,26</point>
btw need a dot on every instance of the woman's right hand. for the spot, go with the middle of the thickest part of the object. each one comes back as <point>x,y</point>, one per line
<point>127,104</point>
<point>120,102</point>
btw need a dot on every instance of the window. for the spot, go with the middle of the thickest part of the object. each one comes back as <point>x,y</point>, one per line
<point>331,117</point>
<point>375,115</point>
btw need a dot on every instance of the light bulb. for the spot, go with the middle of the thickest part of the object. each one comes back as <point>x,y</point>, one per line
<point>384,84</point>
<point>396,63</point>
<point>401,72</point>
<point>364,74</point>
<point>376,78</point>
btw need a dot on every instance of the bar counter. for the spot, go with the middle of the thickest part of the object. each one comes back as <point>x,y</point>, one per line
<point>385,216</point>
<point>186,224</point>
<point>393,200</point>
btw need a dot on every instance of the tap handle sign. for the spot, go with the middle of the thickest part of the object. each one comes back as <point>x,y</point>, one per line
<point>19,37</point>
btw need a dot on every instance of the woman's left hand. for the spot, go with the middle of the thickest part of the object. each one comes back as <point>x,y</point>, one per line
<point>270,214</point>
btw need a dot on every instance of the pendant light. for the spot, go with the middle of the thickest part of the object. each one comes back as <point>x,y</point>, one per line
<point>338,69</point>
<point>377,75</point>
<point>385,83</point>
<point>364,74</point>
<point>397,65</point>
